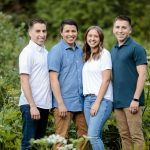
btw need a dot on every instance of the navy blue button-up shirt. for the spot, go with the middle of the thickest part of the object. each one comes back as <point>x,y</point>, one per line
<point>125,58</point>
<point>67,62</point>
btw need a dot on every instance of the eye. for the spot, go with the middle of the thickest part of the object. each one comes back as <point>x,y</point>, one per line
<point>89,35</point>
<point>117,27</point>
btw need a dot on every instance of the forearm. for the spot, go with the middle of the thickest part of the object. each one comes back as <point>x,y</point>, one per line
<point>106,77</point>
<point>27,90</point>
<point>56,91</point>
<point>142,71</point>
<point>102,90</point>
<point>139,86</point>
<point>56,87</point>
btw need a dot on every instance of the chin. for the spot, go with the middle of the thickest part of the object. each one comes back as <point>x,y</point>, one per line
<point>40,44</point>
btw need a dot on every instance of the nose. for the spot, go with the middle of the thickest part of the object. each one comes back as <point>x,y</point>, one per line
<point>71,33</point>
<point>92,37</point>
<point>120,29</point>
<point>42,33</point>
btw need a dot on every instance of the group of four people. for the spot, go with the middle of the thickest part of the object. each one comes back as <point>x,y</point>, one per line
<point>86,84</point>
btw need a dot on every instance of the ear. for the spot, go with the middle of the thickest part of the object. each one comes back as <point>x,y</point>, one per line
<point>61,33</point>
<point>130,31</point>
<point>29,32</point>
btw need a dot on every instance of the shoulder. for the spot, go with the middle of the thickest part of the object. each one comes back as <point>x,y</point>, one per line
<point>137,46</point>
<point>26,50</point>
<point>79,48</point>
<point>106,52</point>
<point>112,49</point>
<point>138,49</point>
<point>55,50</point>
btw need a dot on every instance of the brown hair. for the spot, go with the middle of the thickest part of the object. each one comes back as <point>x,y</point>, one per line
<point>68,22</point>
<point>86,47</point>
<point>34,21</point>
<point>125,18</point>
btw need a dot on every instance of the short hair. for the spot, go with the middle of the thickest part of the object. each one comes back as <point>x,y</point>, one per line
<point>123,17</point>
<point>68,22</point>
<point>34,21</point>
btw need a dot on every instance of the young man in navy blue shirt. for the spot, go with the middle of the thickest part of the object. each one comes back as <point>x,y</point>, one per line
<point>129,75</point>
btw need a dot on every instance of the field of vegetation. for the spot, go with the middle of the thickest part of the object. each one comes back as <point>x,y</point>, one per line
<point>13,38</point>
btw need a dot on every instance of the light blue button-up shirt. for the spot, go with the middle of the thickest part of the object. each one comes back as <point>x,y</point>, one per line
<point>67,62</point>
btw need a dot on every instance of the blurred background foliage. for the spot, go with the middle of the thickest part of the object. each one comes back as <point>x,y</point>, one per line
<point>85,12</point>
<point>14,15</point>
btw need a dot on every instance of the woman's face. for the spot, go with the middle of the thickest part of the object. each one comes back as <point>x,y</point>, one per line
<point>93,38</point>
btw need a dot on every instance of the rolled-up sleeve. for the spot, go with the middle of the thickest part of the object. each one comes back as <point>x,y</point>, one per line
<point>54,59</point>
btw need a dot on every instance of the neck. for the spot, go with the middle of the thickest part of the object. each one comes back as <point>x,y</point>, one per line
<point>122,42</point>
<point>93,50</point>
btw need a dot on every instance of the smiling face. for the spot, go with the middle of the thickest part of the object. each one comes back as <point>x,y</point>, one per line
<point>38,33</point>
<point>69,34</point>
<point>121,30</point>
<point>93,39</point>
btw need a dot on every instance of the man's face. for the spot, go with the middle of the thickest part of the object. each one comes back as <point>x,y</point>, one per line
<point>69,34</point>
<point>38,33</point>
<point>121,30</point>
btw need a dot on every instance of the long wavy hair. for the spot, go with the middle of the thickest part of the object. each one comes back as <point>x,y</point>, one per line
<point>86,47</point>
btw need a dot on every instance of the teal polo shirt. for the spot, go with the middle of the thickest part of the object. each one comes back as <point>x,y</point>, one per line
<point>67,62</point>
<point>125,58</point>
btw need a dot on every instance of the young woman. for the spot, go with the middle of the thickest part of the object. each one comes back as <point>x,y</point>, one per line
<point>97,86</point>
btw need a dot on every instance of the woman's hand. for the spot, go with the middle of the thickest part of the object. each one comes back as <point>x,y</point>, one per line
<point>94,108</point>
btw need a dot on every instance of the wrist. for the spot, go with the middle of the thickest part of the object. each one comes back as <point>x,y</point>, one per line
<point>32,105</point>
<point>136,99</point>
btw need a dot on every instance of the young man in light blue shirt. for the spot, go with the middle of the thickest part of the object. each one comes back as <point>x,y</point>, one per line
<point>65,69</point>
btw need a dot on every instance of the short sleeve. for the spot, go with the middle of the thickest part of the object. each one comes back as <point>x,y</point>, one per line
<point>140,55</point>
<point>25,62</point>
<point>54,59</point>
<point>106,62</point>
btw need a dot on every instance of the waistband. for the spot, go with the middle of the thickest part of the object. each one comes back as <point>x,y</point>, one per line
<point>89,95</point>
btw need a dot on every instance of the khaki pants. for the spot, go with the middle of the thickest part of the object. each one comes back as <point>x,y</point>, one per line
<point>63,125</point>
<point>130,129</point>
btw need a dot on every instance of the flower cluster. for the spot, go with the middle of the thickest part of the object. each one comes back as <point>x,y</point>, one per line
<point>56,139</point>
<point>53,139</point>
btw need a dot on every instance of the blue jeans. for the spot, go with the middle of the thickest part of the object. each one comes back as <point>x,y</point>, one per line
<point>32,128</point>
<point>96,123</point>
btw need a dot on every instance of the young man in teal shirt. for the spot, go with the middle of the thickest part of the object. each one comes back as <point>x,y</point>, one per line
<point>129,74</point>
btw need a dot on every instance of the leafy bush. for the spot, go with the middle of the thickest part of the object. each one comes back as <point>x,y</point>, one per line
<point>13,41</point>
<point>10,120</point>
<point>10,125</point>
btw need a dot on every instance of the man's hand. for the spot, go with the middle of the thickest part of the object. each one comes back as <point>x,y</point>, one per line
<point>35,114</point>
<point>62,110</point>
<point>134,107</point>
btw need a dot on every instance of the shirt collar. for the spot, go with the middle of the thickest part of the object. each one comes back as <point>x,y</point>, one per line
<point>36,46</point>
<point>67,47</point>
<point>127,42</point>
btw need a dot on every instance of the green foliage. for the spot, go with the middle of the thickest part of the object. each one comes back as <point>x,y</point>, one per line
<point>10,125</point>
<point>85,12</point>
<point>10,120</point>
<point>81,11</point>
<point>100,12</point>
<point>13,41</point>
<point>111,136</point>
<point>146,125</point>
